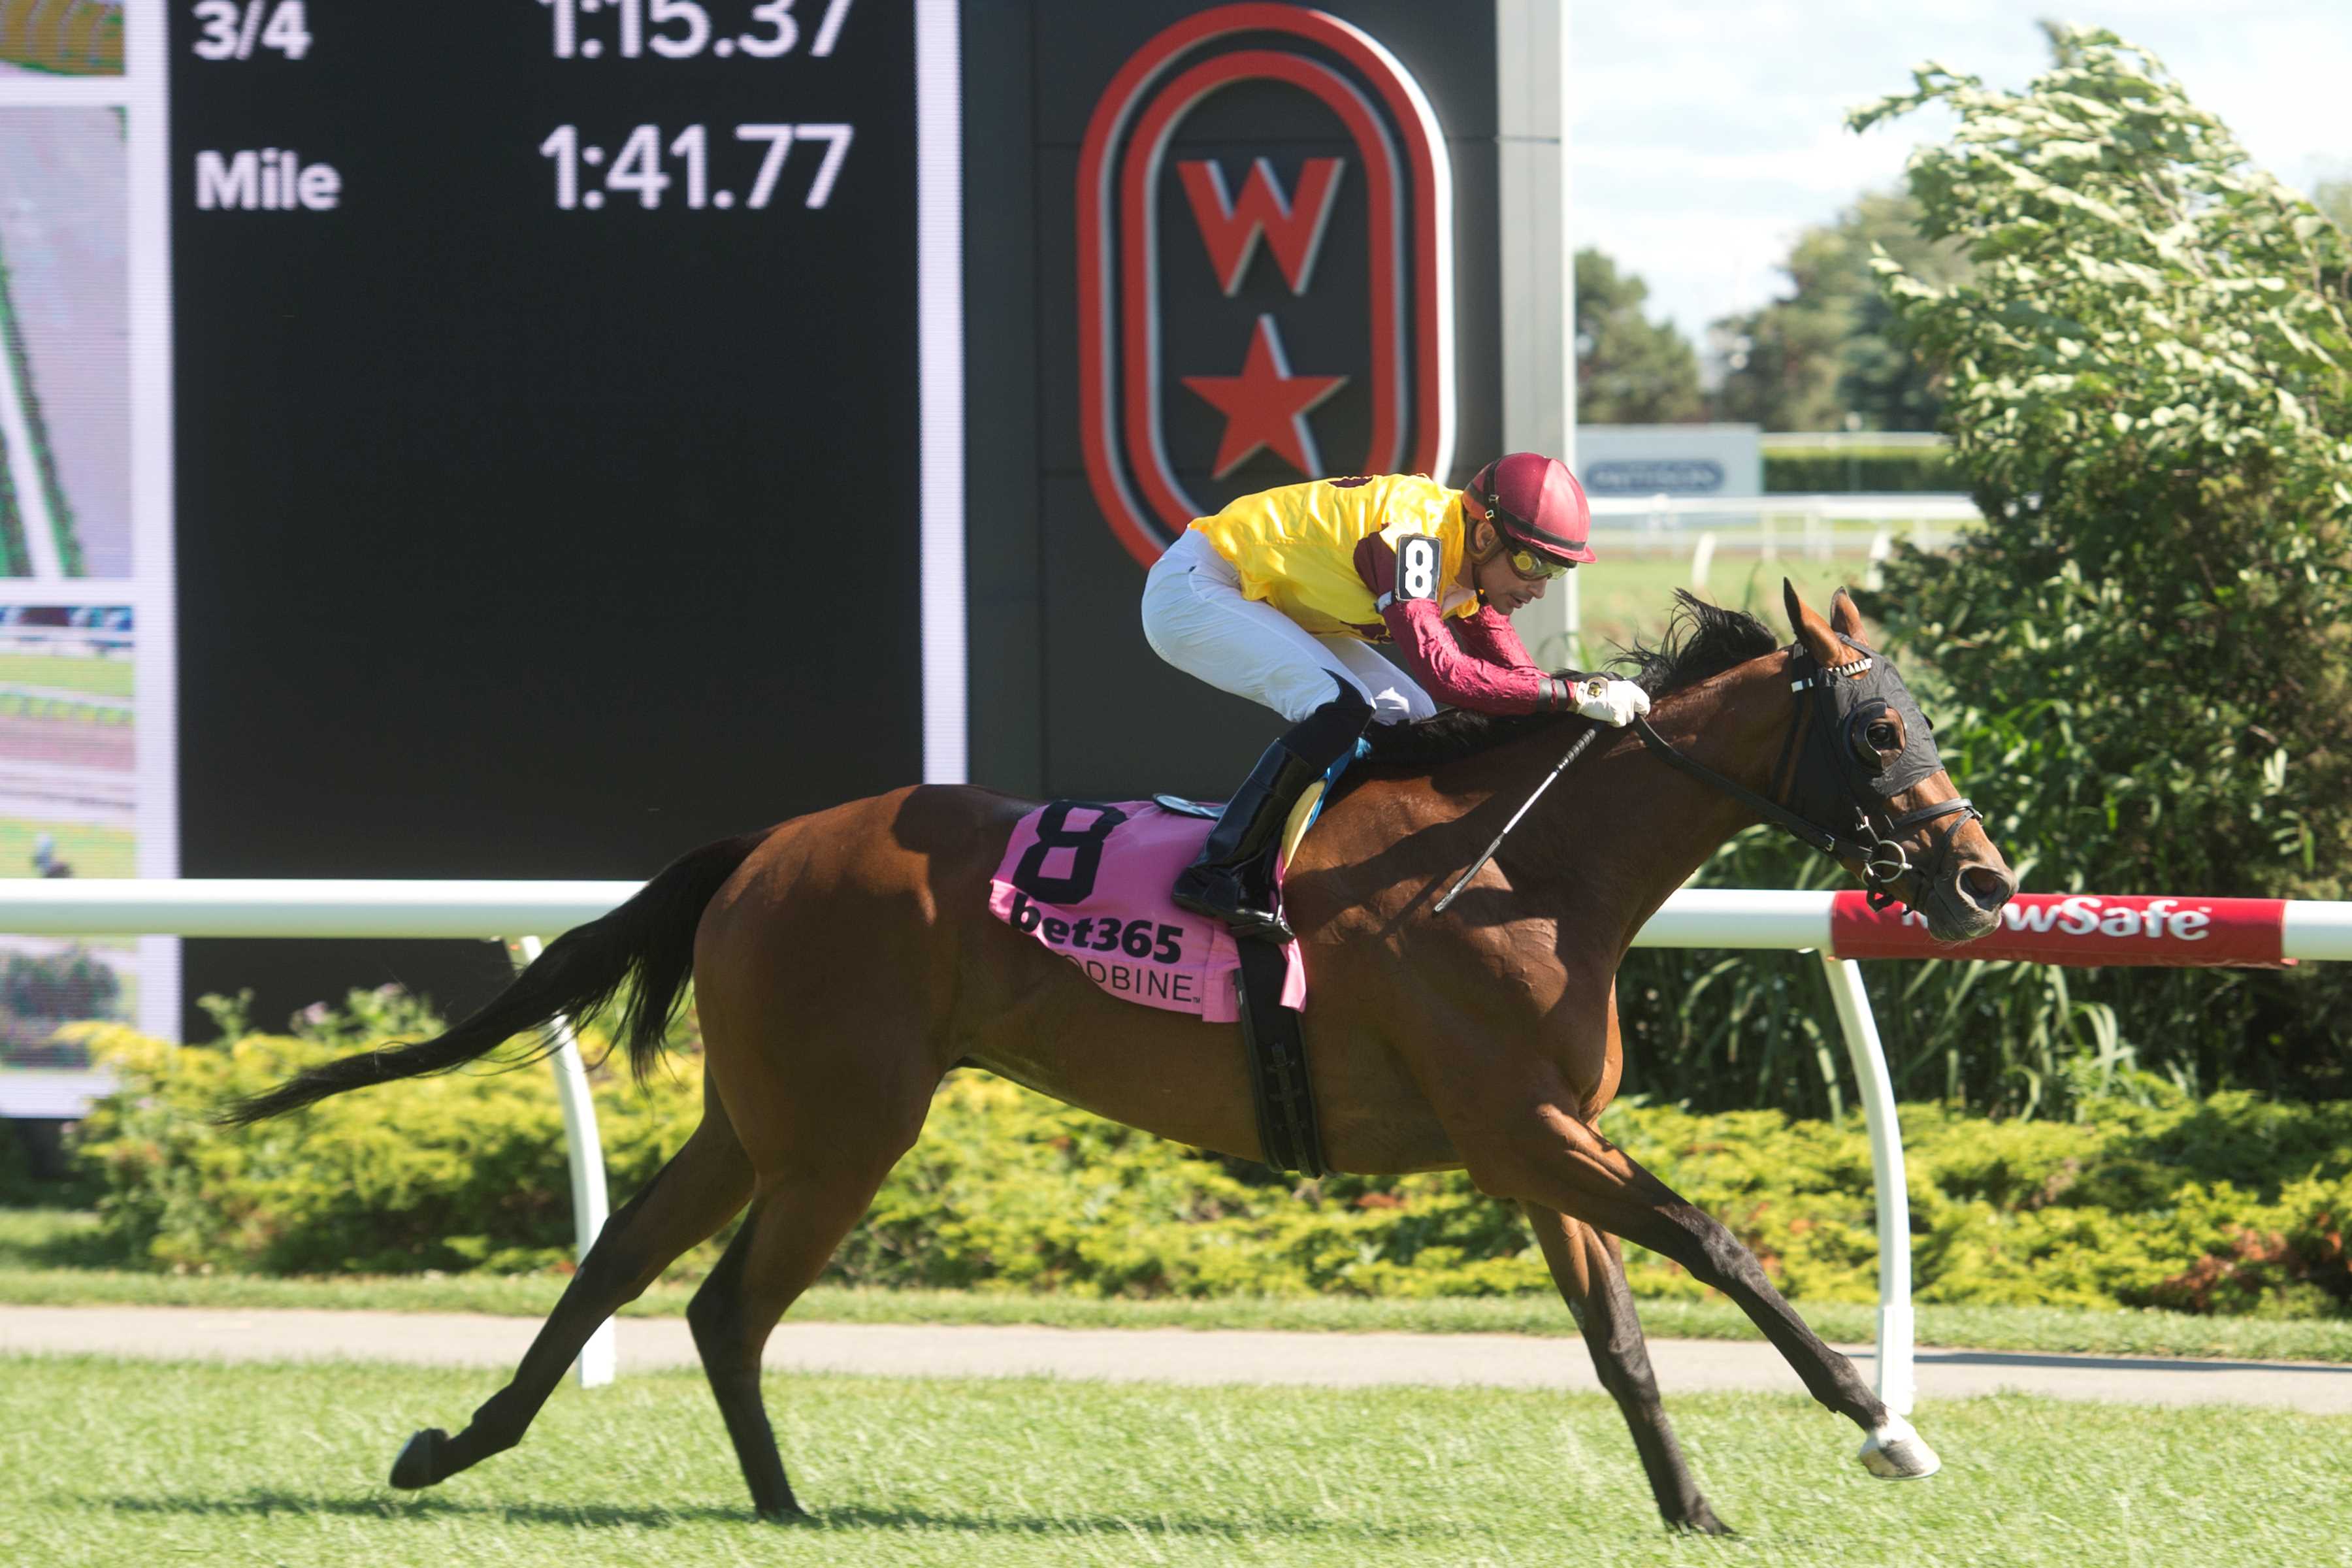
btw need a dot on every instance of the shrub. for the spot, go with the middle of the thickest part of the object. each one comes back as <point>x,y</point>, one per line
<point>2141,664</point>
<point>450,1173</point>
<point>1886,469</point>
<point>2228,1205</point>
<point>2150,391</point>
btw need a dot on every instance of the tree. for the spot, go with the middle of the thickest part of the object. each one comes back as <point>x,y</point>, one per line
<point>2150,393</point>
<point>1629,368</point>
<point>2334,197</point>
<point>1831,346</point>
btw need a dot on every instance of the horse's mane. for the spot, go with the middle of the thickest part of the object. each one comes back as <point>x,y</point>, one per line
<point>1701,641</point>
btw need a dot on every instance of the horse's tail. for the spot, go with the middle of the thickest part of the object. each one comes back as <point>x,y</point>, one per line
<point>648,940</point>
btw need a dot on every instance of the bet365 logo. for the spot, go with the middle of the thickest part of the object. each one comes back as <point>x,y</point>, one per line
<point>1256,319</point>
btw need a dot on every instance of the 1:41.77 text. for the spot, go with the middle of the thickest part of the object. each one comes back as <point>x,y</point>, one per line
<point>638,167</point>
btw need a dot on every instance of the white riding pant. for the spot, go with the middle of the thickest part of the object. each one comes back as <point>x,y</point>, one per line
<point>1195,617</point>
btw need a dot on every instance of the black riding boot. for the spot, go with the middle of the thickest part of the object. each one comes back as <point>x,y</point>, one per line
<point>1233,880</point>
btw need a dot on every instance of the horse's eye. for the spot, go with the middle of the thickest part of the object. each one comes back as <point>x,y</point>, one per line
<point>1875,738</point>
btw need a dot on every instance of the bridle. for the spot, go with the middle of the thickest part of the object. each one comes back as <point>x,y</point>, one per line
<point>1844,700</point>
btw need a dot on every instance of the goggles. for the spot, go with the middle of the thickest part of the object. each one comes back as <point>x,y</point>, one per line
<point>1537,568</point>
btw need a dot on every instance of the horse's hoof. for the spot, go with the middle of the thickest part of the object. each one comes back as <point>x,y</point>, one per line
<point>1896,1453</point>
<point>1702,1521</point>
<point>415,1467</point>
<point>791,1514</point>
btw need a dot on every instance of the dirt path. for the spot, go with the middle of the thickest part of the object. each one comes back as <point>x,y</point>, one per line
<point>1145,1355</point>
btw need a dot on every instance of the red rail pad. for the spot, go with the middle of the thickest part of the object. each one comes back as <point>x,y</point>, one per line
<point>2087,929</point>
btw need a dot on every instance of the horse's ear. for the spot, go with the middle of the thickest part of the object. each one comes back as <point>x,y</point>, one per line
<point>1844,619</point>
<point>1813,631</point>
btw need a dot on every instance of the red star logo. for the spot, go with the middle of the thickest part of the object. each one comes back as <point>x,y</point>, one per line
<point>1266,405</point>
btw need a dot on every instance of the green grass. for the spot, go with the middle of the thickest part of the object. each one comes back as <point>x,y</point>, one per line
<point>93,676</point>
<point>90,851</point>
<point>113,1462</point>
<point>51,1259</point>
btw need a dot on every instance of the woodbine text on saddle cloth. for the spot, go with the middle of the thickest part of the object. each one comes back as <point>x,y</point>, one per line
<point>1090,881</point>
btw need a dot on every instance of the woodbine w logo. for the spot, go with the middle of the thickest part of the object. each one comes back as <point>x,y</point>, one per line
<point>1253,317</point>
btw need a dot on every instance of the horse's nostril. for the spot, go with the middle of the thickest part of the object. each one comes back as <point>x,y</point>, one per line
<point>1986,887</point>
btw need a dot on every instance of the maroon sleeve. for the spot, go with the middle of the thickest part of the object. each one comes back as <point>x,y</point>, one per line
<point>1452,674</point>
<point>1489,635</point>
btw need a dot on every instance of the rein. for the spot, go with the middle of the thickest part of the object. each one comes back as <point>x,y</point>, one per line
<point>1884,860</point>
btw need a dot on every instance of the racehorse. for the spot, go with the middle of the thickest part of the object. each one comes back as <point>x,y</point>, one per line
<point>845,962</point>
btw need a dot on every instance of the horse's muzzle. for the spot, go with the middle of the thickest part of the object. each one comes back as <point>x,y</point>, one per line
<point>1964,903</point>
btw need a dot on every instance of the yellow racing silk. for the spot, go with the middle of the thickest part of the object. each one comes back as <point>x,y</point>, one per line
<point>1295,547</point>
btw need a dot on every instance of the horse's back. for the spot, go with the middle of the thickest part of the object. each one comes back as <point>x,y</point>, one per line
<point>923,850</point>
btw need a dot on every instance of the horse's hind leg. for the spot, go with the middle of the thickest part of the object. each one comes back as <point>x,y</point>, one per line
<point>799,1216</point>
<point>1591,1273</point>
<point>701,1187</point>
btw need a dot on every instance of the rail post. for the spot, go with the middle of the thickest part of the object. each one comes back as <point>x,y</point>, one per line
<point>1702,561</point>
<point>1898,1382</point>
<point>584,1151</point>
<point>1881,546</point>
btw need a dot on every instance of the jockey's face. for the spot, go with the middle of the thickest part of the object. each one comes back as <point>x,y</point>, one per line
<point>1488,570</point>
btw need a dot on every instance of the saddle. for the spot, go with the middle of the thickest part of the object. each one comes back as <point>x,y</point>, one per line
<point>1089,881</point>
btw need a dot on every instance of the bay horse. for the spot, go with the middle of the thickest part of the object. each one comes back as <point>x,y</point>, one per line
<point>845,962</point>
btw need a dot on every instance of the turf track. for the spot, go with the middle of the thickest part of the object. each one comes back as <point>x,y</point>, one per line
<point>115,1463</point>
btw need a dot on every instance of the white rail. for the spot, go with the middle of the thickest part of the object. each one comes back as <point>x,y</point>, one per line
<point>521,912</point>
<point>1868,506</point>
<point>245,907</point>
<point>196,906</point>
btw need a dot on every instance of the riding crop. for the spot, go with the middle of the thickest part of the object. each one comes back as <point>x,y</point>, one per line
<point>1559,768</point>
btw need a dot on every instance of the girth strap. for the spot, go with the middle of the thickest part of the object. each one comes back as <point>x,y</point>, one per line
<point>1276,1049</point>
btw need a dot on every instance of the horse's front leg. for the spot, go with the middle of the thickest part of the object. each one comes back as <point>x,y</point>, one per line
<point>1591,1274</point>
<point>1535,1149</point>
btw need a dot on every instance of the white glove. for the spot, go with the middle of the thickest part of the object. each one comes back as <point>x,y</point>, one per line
<point>1612,702</point>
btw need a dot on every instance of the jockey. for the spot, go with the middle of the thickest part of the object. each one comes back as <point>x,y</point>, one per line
<point>1277,598</point>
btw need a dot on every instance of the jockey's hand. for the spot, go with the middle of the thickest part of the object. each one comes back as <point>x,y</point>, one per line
<point>1612,702</point>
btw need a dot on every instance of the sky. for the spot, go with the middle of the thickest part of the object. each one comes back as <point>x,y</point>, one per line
<point>1705,134</point>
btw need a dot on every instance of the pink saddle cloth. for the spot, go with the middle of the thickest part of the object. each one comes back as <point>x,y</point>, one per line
<point>1090,881</point>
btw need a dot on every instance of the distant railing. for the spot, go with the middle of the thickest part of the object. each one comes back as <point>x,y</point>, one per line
<point>1813,527</point>
<point>1769,518</point>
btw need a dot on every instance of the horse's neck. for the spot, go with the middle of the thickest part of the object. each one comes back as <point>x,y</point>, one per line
<point>1622,837</point>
